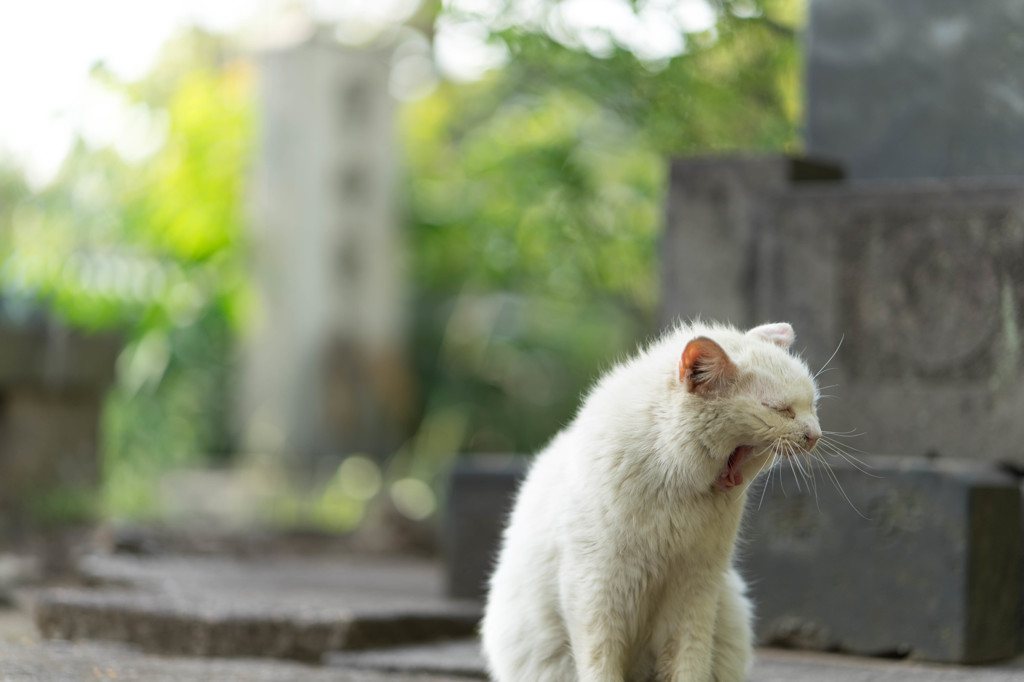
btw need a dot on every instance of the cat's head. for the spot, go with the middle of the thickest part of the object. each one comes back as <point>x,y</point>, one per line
<point>759,402</point>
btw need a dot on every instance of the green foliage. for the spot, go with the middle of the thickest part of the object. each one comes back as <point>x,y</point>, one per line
<point>153,248</point>
<point>536,200</point>
<point>534,203</point>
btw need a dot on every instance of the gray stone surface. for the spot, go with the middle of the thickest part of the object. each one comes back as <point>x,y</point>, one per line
<point>924,285</point>
<point>285,608</point>
<point>480,493</point>
<point>707,244</point>
<point>459,657</point>
<point>916,88</point>
<point>51,661</point>
<point>773,665</point>
<point>24,657</point>
<point>910,558</point>
<point>463,658</point>
<point>66,661</point>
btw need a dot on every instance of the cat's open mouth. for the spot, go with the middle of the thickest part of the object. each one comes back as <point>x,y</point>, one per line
<point>730,476</point>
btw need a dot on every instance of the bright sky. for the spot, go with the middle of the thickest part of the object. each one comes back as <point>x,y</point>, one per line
<point>47,48</point>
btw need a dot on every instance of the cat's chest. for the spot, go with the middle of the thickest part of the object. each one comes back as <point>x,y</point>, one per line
<point>670,531</point>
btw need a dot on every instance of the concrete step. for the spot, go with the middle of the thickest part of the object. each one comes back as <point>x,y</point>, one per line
<point>60,660</point>
<point>289,608</point>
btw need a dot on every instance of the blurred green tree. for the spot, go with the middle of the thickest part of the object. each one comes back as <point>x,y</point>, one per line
<point>153,246</point>
<point>536,201</point>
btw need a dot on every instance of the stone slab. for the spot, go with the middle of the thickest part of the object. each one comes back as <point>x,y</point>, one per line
<point>481,490</point>
<point>774,665</point>
<point>24,658</point>
<point>923,284</point>
<point>706,247</point>
<point>464,659</point>
<point>460,657</point>
<point>49,661</point>
<point>916,88</point>
<point>287,608</point>
<point>909,557</point>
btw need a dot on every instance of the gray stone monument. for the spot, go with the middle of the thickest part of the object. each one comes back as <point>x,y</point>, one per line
<point>924,285</point>
<point>325,372</point>
<point>916,88</point>
<point>707,246</point>
<point>923,282</point>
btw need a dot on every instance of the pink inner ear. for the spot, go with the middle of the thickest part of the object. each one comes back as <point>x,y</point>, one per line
<point>705,365</point>
<point>779,333</point>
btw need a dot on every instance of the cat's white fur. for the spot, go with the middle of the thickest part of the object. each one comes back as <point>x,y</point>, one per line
<point>616,564</point>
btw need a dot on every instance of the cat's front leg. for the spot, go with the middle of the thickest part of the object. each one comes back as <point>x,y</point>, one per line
<point>598,659</point>
<point>733,639</point>
<point>687,634</point>
<point>599,623</point>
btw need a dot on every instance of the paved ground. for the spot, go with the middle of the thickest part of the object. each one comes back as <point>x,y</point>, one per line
<point>63,661</point>
<point>773,665</point>
<point>290,590</point>
<point>277,607</point>
<point>43,661</point>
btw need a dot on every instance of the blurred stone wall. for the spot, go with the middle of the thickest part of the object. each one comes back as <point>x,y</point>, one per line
<point>52,384</point>
<point>916,88</point>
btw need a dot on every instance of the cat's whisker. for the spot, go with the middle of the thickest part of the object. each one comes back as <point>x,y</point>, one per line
<point>855,466</point>
<point>847,446</point>
<point>839,486</point>
<point>831,357</point>
<point>770,463</point>
<point>790,458</point>
<point>794,457</point>
<point>810,474</point>
<point>807,472</point>
<point>782,477</point>
<point>835,451</point>
<point>835,447</point>
<point>772,470</point>
<point>852,433</point>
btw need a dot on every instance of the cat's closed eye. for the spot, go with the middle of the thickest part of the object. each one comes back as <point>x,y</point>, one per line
<point>786,411</point>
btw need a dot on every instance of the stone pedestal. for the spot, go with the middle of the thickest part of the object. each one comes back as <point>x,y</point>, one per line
<point>913,558</point>
<point>52,384</point>
<point>481,492</point>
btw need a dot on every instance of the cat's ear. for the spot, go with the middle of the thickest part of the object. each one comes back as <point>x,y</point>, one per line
<point>779,333</point>
<point>705,367</point>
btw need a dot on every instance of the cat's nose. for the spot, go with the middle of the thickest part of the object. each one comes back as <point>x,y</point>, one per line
<point>810,440</point>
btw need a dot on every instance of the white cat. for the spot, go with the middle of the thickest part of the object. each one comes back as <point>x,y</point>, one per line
<point>616,565</point>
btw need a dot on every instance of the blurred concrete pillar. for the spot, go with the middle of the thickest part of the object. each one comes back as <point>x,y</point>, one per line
<point>325,371</point>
